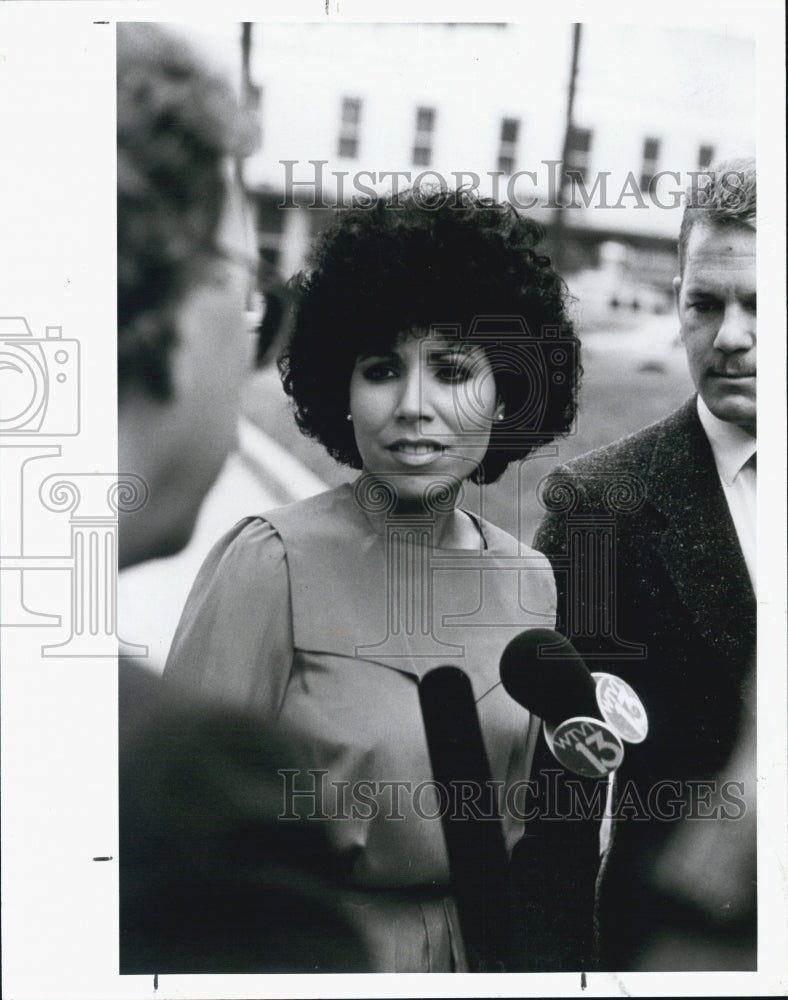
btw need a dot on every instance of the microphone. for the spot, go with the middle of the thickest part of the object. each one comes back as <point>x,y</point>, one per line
<point>478,859</point>
<point>586,716</point>
<point>555,864</point>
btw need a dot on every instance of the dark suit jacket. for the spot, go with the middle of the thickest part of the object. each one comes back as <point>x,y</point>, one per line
<point>653,587</point>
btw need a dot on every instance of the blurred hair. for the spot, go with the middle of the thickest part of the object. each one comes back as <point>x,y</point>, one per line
<point>424,259</point>
<point>725,194</point>
<point>177,122</point>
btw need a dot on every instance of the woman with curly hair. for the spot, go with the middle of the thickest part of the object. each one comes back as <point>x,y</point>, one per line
<point>430,346</point>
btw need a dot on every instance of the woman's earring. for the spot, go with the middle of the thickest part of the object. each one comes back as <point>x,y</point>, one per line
<point>348,417</point>
<point>500,416</point>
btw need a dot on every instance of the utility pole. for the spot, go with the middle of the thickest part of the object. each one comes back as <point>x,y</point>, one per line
<point>559,219</point>
<point>246,76</point>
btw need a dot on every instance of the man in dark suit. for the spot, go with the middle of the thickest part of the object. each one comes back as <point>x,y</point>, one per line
<point>210,880</point>
<point>653,543</point>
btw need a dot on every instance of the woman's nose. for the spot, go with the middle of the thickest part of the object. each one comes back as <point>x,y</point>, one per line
<point>413,403</point>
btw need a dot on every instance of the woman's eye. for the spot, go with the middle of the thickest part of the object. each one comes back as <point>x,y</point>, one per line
<point>453,372</point>
<point>378,371</point>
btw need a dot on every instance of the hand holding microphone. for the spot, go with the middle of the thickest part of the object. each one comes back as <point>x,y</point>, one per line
<point>586,716</point>
<point>555,864</point>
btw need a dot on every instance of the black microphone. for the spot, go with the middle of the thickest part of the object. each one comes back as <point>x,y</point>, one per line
<point>554,866</point>
<point>544,673</point>
<point>586,716</point>
<point>478,860</point>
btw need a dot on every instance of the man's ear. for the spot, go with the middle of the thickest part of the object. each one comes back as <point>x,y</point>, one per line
<point>677,296</point>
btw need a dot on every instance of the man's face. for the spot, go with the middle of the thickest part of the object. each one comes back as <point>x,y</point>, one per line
<point>215,347</point>
<point>716,300</point>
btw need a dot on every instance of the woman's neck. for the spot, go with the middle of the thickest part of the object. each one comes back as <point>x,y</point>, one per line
<point>451,526</point>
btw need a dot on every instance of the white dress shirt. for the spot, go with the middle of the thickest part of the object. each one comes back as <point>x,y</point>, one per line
<point>733,448</point>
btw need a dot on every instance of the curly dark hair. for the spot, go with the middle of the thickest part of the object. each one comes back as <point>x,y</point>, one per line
<point>177,122</point>
<point>424,260</point>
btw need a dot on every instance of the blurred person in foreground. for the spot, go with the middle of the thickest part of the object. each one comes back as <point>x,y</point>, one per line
<point>683,566</point>
<point>417,357</point>
<point>208,880</point>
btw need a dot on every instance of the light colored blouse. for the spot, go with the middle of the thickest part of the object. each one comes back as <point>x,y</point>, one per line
<point>322,624</point>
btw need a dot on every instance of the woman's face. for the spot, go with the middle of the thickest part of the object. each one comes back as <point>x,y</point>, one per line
<point>423,411</point>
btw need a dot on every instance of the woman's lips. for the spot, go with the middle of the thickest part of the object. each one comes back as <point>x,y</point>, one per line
<point>415,452</point>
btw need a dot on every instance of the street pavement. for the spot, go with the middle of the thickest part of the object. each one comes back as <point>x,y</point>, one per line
<point>650,344</point>
<point>259,476</point>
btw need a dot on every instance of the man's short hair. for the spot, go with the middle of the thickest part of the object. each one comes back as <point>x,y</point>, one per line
<point>177,124</point>
<point>722,195</point>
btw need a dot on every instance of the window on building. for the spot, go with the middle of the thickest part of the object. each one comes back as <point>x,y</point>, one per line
<point>507,152</point>
<point>705,156</point>
<point>578,154</point>
<point>350,128</point>
<point>650,165</point>
<point>425,130</point>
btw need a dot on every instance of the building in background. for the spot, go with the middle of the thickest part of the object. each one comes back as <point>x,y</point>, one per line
<point>350,108</point>
<point>488,100</point>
